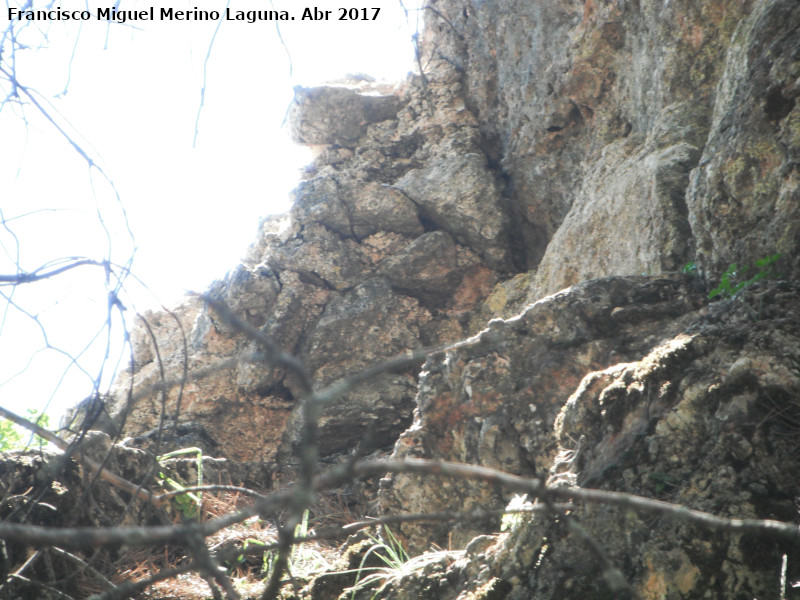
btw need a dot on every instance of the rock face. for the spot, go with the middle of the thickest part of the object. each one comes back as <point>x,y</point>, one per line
<point>743,198</point>
<point>694,406</point>
<point>494,399</point>
<point>599,115</point>
<point>603,145</point>
<point>396,235</point>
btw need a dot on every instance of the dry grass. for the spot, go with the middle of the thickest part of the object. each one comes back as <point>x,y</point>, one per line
<point>245,569</point>
<point>143,563</point>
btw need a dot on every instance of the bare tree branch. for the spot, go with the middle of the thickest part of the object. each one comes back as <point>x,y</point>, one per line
<point>20,278</point>
<point>137,536</point>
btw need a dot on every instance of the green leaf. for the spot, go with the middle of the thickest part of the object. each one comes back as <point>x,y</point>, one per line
<point>732,280</point>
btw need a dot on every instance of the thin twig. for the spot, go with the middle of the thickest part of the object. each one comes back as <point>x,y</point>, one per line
<point>274,354</point>
<point>22,277</point>
<point>205,76</point>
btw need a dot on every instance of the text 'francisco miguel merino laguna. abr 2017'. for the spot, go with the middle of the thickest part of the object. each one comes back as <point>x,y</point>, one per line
<point>171,14</point>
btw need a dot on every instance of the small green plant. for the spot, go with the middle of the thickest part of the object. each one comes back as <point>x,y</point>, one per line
<point>733,279</point>
<point>304,559</point>
<point>42,420</point>
<point>12,436</point>
<point>394,557</point>
<point>246,546</point>
<point>689,268</point>
<point>662,481</point>
<point>188,503</point>
<point>397,565</point>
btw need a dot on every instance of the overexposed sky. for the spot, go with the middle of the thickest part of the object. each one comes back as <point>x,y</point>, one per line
<point>129,95</point>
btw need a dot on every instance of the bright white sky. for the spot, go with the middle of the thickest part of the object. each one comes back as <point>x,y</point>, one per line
<point>131,101</point>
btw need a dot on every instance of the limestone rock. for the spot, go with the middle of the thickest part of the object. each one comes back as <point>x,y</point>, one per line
<point>629,215</point>
<point>459,194</point>
<point>319,201</point>
<point>507,299</point>
<point>494,399</point>
<point>337,115</point>
<point>239,410</point>
<point>693,406</point>
<point>249,292</point>
<point>353,207</point>
<point>689,423</point>
<point>360,327</point>
<point>375,207</point>
<point>426,268</point>
<point>744,198</point>
<point>323,258</point>
<point>598,114</point>
<point>357,272</point>
<point>546,143</point>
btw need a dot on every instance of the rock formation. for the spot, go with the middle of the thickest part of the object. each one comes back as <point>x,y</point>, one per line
<point>626,384</point>
<point>601,144</point>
